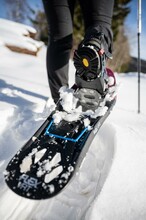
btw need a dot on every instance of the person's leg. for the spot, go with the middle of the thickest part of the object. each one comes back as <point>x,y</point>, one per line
<point>90,57</point>
<point>59,16</point>
<point>98,16</point>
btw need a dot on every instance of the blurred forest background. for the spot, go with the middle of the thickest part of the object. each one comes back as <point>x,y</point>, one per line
<point>22,11</point>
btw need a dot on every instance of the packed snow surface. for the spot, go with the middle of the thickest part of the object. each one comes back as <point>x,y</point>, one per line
<point>24,105</point>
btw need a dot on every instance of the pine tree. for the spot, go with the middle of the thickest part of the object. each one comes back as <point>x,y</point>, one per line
<point>40,23</point>
<point>121,10</point>
<point>121,52</point>
<point>121,49</point>
<point>78,25</point>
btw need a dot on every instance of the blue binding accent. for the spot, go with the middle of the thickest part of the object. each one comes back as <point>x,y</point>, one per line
<point>62,137</point>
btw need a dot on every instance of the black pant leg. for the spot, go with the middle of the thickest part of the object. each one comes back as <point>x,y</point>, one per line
<point>59,16</point>
<point>98,15</point>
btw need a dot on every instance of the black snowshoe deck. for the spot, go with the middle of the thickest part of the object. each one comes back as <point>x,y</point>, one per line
<point>46,163</point>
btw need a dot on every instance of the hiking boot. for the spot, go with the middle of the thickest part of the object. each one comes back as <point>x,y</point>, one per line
<point>90,63</point>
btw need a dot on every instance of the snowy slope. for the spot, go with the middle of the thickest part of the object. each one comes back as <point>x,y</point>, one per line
<point>23,95</point>
<point>17,37</point>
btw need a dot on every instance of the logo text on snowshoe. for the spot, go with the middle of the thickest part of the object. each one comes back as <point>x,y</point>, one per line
<point>26,182</point>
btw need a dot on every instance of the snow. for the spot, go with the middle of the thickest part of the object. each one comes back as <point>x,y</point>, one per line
<point>24,102</point>
<point>73,112</point>
<point>15,34</point>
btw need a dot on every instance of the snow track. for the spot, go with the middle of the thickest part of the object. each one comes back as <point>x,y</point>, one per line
<point>74,202</point>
